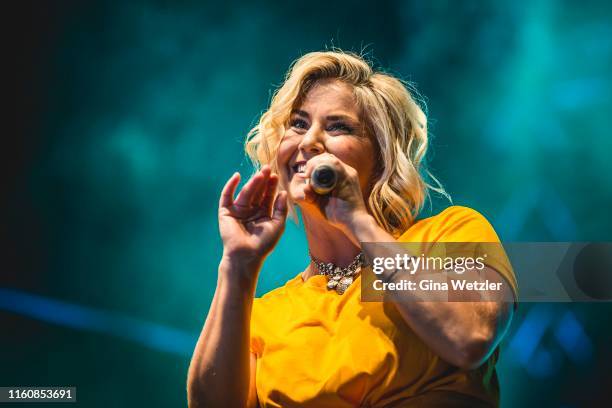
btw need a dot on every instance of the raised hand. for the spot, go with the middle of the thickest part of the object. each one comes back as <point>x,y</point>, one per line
<point>252,224</point>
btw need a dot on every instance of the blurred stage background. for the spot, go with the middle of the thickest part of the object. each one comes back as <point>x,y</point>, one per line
<point>131,116</point>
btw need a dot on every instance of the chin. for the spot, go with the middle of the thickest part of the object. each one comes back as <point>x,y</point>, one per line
<point>296,192</point>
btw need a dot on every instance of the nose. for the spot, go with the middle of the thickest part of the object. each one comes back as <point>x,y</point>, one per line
<point>312,142</point>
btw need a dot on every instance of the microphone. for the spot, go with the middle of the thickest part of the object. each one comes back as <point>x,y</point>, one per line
<point>323,179</point>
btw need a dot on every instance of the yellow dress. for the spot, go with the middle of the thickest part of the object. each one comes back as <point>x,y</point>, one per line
<point>316,348</point>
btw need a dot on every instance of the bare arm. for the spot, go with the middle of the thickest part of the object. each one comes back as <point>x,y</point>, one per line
<point>462,333</point>
<point>219,374</point>
<point>222,369</point>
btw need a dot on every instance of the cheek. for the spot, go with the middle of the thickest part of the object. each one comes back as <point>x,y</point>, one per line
<point>359,156</point>
<point>284,154</point>
<point>286,150</point>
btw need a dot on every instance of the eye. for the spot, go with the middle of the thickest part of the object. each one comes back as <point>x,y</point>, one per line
<point>298,123</point>
<point>339,126</point>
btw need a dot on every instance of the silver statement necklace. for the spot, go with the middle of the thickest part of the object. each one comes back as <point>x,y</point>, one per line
<point>339,278</point>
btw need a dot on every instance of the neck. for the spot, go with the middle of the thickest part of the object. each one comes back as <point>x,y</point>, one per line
<point>327,243</point>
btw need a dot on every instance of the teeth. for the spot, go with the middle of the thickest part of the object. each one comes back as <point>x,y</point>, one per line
<point>299,168</point>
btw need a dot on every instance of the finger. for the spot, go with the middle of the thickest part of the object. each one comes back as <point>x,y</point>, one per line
<point>259,195</point>
<point>245,197</point>
<point>309,194</point>
<point>280,207</point>
<point>268,199</point>
<point>227,194</point>
<point>326,158</point>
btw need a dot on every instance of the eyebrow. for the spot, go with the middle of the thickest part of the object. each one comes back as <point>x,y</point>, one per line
<point>330,117</point>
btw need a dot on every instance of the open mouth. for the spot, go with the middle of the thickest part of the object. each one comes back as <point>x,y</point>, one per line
<point>299,167</point>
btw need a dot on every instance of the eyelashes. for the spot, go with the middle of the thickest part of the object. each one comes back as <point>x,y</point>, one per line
<point>337,126</point>
<point>341,126</point>
<point>298,123</point>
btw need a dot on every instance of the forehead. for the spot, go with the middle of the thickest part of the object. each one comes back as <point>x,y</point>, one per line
<point>330,95</point>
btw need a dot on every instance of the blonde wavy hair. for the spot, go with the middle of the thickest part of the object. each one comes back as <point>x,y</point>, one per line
<point>391,114</point>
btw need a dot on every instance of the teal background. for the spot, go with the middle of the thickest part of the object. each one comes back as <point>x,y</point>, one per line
<point>131,116</point>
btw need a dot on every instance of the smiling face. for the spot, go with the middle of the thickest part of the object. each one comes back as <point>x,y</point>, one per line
<point>327,121</point>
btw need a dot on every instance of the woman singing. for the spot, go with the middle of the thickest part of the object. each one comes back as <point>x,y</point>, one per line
<point>313,342</point>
